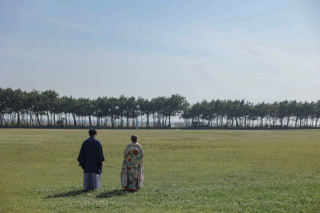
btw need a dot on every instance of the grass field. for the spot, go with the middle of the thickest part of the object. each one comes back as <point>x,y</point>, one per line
<point>185,171</point>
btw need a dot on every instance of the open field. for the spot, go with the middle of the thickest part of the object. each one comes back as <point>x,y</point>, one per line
<point>185,171</point>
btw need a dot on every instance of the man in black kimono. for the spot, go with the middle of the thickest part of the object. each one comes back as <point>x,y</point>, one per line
<point>91,160</point>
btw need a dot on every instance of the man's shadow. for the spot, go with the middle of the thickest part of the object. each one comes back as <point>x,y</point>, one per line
<point>67,194</point>
<point>114,193</point>
<point>74,193</point>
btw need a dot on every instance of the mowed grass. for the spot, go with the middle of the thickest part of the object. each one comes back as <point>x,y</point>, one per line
<point>185,171</point>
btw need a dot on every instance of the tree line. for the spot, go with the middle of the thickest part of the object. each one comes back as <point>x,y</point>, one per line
<point>47,108</point>
<point>241,113</point>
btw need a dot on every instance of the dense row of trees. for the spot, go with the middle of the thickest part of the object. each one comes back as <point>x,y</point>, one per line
<point>240,113</point>
<point>47,108</point>
<point>19,107</point>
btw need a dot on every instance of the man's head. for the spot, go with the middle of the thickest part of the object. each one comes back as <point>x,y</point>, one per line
<point>134,138</point>
<point>92,132</point>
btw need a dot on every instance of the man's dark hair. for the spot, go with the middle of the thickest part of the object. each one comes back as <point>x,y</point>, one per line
<point>92,132</point>
<point>134,138</point>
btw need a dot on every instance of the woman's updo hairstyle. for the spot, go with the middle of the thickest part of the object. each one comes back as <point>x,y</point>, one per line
<point>134,138</point>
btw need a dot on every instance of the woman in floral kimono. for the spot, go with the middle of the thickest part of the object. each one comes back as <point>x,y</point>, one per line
<point>132,168</point>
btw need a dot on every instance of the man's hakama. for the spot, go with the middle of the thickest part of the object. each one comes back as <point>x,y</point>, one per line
<point>91,181</point>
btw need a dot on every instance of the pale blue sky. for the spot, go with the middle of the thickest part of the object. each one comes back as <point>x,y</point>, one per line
<point>204,49</point>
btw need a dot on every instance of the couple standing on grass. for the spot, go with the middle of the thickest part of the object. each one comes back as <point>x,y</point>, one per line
<point>91,160</point>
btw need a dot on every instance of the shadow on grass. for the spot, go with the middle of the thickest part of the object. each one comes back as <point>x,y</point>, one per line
<point>114,193</point>
<point>67,194</point>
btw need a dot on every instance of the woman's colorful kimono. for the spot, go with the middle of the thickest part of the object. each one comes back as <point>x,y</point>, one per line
<point>132,168</point>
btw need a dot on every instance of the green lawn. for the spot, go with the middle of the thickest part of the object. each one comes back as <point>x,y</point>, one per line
<point>185,171</point>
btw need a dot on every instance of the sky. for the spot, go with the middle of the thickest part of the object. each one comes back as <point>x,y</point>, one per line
<point>204,49</point>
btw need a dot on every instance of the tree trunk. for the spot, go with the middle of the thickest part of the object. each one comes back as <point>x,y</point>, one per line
<point>18,119</point>
<point>127,121</point>
<point>38,119</point>
<point>74,119</point>
<point>159,120</point>
<point>5,122</point>
<point>163,124</point>
<point>48,117</point>
<point>169,121</point>
<point>300,122</point>
<point>90,120</point>
<point>31,119</point>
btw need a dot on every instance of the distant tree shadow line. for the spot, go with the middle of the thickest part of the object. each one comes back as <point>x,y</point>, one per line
<point>74,193</point>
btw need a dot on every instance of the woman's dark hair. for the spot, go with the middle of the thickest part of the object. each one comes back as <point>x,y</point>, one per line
<point>134,138</point>
<point>92,132</point>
